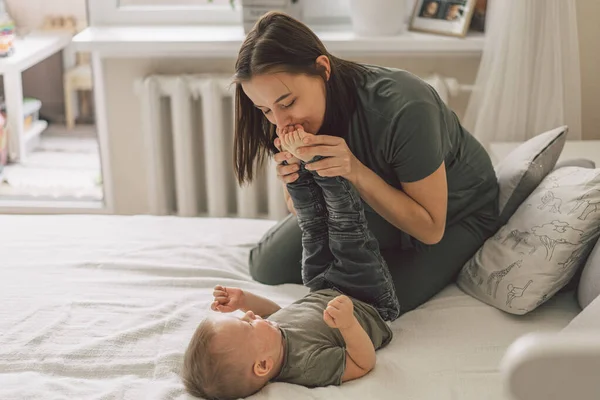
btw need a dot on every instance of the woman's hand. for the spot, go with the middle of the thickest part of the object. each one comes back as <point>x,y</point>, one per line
<point>339,162</point>
<point>285,173</point>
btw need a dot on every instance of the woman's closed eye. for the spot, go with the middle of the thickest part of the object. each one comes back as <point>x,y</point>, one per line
<point>291,103</point>
<point>284,106</point>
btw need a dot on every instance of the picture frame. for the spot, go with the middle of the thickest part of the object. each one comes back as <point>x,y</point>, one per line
<point>479,16</point>
<point>444,17</point>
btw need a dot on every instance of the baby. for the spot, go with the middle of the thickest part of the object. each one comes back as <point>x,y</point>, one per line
<point>326,338</point>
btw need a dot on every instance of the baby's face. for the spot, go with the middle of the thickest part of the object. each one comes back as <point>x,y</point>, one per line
<point>249,331</point>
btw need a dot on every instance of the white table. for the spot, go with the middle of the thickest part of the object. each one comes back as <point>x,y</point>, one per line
<point>29,50</point>
<point>225,41</point>
<point>589,149</point>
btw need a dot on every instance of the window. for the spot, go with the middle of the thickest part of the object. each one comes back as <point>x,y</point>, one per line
<point>163,12</point>
<point>195,12</point>
<point>173,3</point>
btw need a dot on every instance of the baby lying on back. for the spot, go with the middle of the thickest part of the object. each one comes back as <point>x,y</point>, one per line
<point>327,337</point>
<point>322,339</point>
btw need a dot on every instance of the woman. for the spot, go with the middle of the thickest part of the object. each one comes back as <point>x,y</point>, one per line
<point>429,188</point>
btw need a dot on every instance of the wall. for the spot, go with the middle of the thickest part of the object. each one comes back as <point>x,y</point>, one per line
<point>30,14</point>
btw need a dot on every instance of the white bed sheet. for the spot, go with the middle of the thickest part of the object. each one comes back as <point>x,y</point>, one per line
<point>102,307</point>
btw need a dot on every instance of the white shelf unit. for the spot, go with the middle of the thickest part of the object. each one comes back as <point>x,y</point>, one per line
<point>225,41</point>
<point>29,51</point>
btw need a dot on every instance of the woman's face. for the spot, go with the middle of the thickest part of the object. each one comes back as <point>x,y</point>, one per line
<point>289,99</point>
<point>432,8</point>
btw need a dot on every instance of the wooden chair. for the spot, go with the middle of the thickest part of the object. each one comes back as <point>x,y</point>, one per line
<point>77,79</point>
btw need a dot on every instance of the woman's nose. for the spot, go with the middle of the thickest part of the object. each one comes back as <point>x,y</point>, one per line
<point>282,118</point>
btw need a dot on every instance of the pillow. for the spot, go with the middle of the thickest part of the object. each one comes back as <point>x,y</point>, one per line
<point>576,162</point>
<point>589,284</point>
<point>542,245</point>
<point>525,167</point>
<point>583,163</point>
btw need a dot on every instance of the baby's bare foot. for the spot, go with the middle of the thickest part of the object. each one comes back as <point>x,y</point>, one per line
<point>279,144</point>
<point>293,141</point>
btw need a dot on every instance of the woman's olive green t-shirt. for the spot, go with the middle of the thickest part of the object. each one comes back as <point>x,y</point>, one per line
<point>403,131</point>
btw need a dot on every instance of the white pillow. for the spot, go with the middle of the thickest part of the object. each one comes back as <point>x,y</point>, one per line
<point>541,246</point>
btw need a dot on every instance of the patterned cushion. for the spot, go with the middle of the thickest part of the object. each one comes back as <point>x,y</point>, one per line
<point>542,245</point>
<point>589,284</point>
<point>583,163</point>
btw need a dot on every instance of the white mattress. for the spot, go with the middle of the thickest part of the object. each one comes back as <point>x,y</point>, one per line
<point>95,307</point>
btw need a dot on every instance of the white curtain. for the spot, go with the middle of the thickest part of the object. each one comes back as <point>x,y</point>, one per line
<point>529,79</point>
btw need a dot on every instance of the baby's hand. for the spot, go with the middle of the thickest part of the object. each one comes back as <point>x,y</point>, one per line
<point>339,313</point>
<point>227,299</point>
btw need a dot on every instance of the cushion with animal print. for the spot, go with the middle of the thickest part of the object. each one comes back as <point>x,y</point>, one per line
<point>589,282</point>
<point>542,245</point>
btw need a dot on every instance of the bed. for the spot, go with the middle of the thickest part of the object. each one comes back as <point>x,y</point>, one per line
<point>102,307</point>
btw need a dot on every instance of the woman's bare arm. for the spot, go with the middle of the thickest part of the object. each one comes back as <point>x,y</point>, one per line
<point>420,210</point>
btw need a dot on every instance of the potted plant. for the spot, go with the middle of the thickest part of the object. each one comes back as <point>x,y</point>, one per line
<point>378,17</point>
<point>252,10</point>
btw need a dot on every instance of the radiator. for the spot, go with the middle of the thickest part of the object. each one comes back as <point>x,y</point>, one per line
<point>187,123</point>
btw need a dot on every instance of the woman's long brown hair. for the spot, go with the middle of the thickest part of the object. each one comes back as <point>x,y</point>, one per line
<point>279,43</point>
